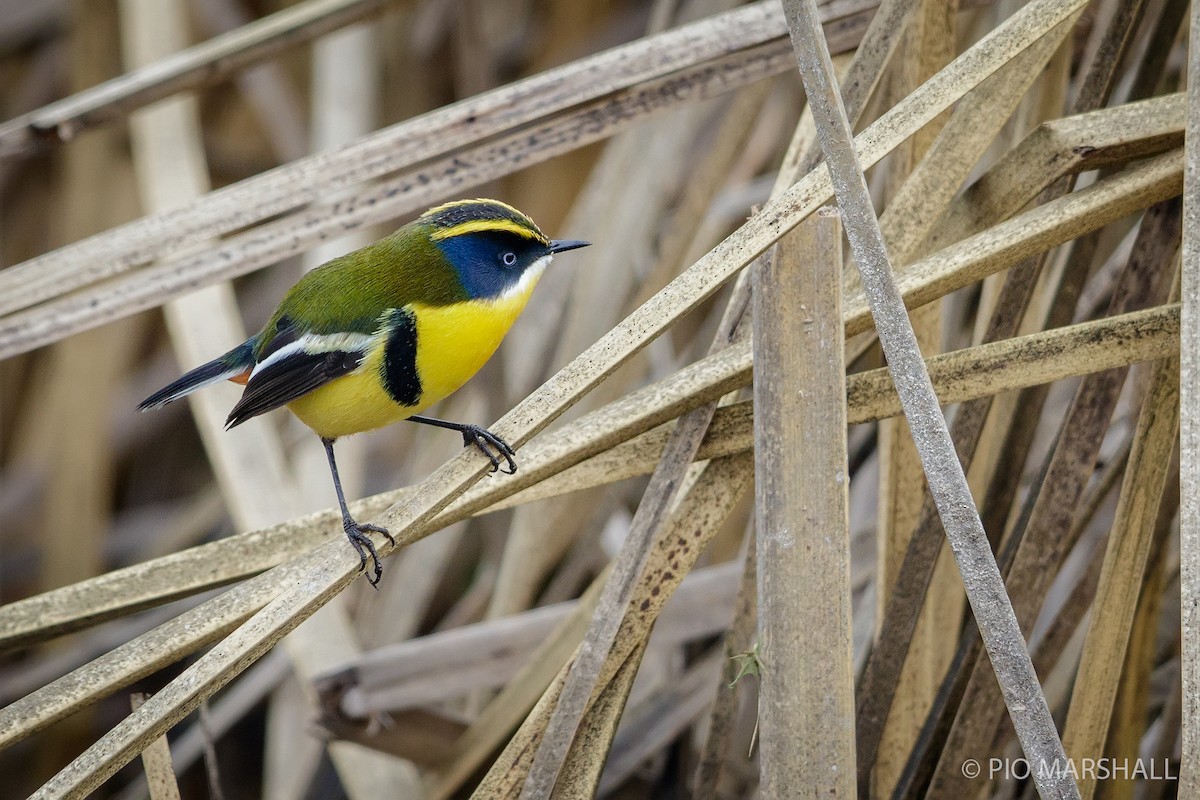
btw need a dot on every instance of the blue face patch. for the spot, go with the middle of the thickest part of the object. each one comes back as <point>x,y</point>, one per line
<point>490,262</point>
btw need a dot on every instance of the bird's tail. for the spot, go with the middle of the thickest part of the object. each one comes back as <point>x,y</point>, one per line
<point>237,362</point>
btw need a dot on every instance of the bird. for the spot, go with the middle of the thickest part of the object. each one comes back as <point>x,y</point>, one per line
<point>382,333</point>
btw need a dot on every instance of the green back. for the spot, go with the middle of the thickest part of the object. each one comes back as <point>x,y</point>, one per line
<point>350,293</point>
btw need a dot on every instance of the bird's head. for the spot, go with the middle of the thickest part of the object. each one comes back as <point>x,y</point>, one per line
<point>494,248</point>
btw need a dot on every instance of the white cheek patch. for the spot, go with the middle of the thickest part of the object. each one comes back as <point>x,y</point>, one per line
<point>530,276</point>
<point>314,343</point>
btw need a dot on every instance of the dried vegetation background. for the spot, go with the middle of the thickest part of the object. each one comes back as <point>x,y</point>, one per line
<point>1027,164</point>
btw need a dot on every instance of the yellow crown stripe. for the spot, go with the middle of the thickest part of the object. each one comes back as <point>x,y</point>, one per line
<point>458,204</point>
<point>485,226</point>
<point>478,201</point>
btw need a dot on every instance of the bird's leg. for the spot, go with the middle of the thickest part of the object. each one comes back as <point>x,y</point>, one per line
<point>356,532</point>
<point>480,437</point>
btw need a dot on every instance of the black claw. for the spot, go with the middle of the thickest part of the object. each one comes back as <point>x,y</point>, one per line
<point>482,438</point>
<point>356,533</point>
<point>377,529</point>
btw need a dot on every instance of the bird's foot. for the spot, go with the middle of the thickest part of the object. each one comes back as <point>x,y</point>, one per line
<point>491,446</point>
<point>356,532</point>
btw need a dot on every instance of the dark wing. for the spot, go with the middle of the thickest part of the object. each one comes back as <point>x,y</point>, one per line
<point>288,378</point>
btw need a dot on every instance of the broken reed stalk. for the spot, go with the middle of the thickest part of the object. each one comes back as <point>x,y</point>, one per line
<point>1189,433</point>
<point>806,678</point>
<point>947,483</point>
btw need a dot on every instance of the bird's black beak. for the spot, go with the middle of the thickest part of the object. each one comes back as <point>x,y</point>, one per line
<point>563,245</point>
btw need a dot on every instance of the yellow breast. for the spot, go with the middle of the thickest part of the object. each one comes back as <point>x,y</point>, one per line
<point>453,342</point>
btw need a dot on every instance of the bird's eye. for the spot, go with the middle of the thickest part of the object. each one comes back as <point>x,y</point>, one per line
<point>509,259</point>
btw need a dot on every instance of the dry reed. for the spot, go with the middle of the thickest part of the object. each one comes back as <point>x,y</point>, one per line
<point>1019,196</point>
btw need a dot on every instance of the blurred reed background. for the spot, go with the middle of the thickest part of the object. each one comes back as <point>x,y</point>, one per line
<point>1041,213</point>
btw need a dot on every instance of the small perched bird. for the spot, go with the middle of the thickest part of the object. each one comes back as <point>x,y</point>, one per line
<point>381,334</point>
